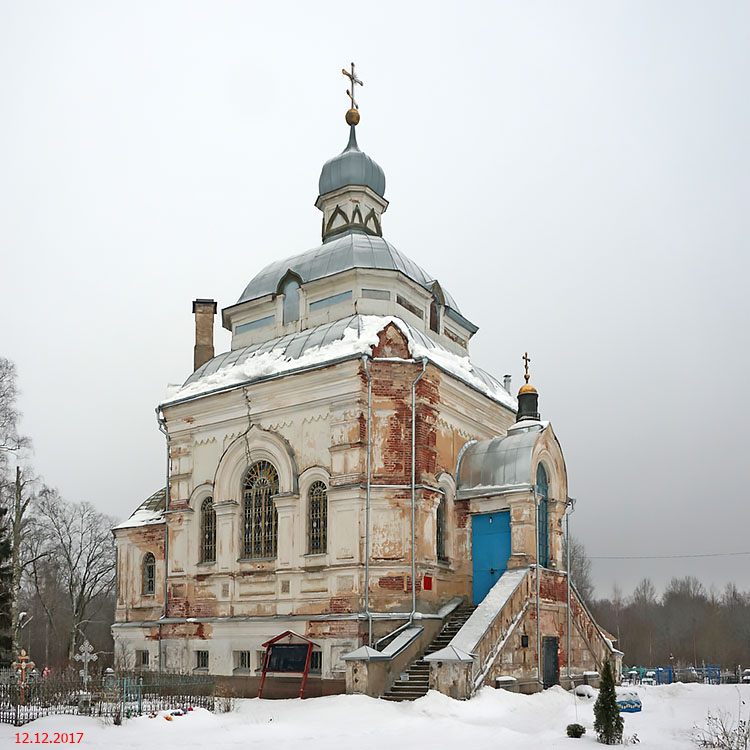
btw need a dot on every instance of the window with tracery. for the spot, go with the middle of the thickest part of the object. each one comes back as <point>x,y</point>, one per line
<point>440,530</point>
<point>149,574</point>
<point>208,531</point>
<point>318,517</point>
<point>261,523</point>
<point>542,493</point>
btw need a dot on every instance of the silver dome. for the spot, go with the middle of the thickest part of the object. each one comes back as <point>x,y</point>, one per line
<point>351,167</point>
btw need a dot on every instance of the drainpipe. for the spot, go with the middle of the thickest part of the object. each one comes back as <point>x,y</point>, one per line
<point>571,505</point>
<point>538,576</point>
<point>367,504</point>
<point>413,490</point>
<point>163,428</point>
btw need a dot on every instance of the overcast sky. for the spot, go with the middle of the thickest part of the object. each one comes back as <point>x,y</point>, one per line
<point>576,174</point>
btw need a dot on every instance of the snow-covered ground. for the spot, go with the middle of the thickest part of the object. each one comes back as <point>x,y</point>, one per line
<point>494,719</point>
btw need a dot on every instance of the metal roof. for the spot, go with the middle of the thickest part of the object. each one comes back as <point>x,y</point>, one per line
<point>342,253</point>
<point>501,462</point>
<point>287,349</point>
<point>351,167</point>
<point>150,511</point>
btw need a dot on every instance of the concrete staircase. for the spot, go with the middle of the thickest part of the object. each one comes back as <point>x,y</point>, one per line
<point>415,682</point>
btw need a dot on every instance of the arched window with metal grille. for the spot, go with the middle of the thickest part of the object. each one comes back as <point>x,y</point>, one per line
<point>440,530</point>
<point>260,518</point>
<point>542,493</point>
<point>317,514</point>
<point>208,531</point>
<point>149,574</point>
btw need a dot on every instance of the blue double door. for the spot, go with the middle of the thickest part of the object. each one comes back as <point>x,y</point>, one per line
<point>490,544</point>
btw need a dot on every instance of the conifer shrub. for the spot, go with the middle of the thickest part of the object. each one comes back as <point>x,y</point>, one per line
<point>608,723</point>
<point>576,730</point>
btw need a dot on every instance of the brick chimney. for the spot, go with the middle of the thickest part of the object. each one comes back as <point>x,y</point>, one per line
<point>204,310</point>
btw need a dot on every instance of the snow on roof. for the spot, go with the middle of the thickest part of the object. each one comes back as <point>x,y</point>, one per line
<point>316,347</point>
<point>150,511</point>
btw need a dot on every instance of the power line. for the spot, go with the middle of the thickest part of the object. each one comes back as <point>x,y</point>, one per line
<point>666,557</point>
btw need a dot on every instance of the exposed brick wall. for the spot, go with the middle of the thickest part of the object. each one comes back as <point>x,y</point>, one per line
<point>553,587</point>
<point>148,539</point>
<point>178,608</point>
<point>340,604</point>
<point>396,583</point>
<point>391,389</point>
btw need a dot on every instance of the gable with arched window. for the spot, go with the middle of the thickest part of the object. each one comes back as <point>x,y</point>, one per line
<point>259,512</point>
<point>317,518</point>
<point>542,495</point>
<point>290,289</point>
<point>148,571</point>
<point>208,531</point>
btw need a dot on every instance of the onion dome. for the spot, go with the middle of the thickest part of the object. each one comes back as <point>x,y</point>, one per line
<point>352,167</point>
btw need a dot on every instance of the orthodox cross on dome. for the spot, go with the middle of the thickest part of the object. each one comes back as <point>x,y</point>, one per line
<point>526,359</point>
<point>352,116</point>
<point>354,80</point>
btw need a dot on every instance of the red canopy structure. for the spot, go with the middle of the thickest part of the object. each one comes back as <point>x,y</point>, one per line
<point>288,653</point>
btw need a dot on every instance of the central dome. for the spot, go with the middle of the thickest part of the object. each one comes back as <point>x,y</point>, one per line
<point>351,167</point>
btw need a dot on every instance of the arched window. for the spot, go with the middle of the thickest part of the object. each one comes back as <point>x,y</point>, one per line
<point>291,300</point>
<point>440,530</point>
<point>259,537</point>
<point>149,574</point>
<point>317,498</point>
<point>542,492</point>
<point>434,316</point>
<point>208,531</point>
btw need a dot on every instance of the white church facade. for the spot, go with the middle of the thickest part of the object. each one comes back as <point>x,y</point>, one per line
<point>346,473</point>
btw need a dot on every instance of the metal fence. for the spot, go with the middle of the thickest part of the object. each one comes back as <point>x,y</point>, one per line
<point>708,674</point>
<point>113,695</point>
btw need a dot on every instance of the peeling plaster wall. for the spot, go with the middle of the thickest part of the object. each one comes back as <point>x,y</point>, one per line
<point>312,425</point>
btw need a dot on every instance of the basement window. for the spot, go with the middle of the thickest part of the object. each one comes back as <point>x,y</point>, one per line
<point>242,661</point>
<point>316,662</point>
<point>201,660</point>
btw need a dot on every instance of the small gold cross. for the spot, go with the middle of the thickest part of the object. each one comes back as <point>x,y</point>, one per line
<point>526,359</point>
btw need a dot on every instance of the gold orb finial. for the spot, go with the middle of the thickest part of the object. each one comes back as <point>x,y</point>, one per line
<point>352,117</point>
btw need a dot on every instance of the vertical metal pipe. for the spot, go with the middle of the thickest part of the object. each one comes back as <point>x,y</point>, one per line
<point>163,428</point>
<point>538,575</point>
<point>414,490</point>
<point>568,510</point>
<point>367,504</point>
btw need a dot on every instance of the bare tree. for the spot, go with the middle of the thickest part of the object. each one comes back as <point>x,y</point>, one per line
<point>82,548</point>
<point>12,490</point>
<point>580,568</point>
<point>10,440</point>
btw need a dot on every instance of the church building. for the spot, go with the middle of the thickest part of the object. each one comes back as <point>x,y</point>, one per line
<point>346,473</point>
